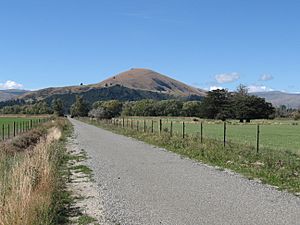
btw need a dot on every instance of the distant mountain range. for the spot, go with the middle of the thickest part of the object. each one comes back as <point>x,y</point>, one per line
<point>6,95</point>
<point>278,98</point>
<point>135,84</point>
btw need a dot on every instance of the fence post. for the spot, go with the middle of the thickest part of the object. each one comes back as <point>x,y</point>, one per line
<point>151,126</point>
<point>123,122</point>
<point>14,128</point>
<point>3,132</point>
<point>137,125</point>
<point>30,124</point>
<point>183,129</point>
<point>171,128</point>
<point>144,126</point>
<point>201,132</point>
<point>8,131</point>
<point>225,134</point>
<point>257,138</point>
<point>160,126</point>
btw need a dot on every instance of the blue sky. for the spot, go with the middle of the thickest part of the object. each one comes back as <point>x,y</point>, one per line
<point>212,43</point>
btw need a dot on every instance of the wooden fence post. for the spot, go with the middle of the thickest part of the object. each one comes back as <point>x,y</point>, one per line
<point>183,129</point>
<point>201,132</point>
<point>160,126</point>
<point>14,128</point>
<point>224,134</point>
<point>144,126</point>
<point>171,129</point>
<point>257,138</point>
<point>151,126</point>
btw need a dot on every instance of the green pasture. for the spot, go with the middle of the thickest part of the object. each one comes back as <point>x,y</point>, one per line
<point>276,134</point>
<point>21,124</point>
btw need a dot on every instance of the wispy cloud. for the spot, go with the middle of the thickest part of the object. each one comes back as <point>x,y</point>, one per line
<point>9,84</point>
<point>227,77</point>
<point>266,77</point>
<point>259,88</point>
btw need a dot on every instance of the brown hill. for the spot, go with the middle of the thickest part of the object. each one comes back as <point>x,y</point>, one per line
<point>150,80</point>
<point>139,79</point>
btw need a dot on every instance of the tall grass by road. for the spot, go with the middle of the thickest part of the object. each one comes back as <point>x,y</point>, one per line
<point>30,176</point>
<point>278,168</point>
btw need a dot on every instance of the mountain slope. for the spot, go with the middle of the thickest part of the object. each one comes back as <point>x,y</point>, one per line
<point>109,93</point>
<point>138,79</point>
<point>150,80</point>
<point>278,98</point>
<point>6,95</point>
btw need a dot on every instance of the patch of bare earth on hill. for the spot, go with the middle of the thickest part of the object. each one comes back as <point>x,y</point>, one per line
<point>87,204</point>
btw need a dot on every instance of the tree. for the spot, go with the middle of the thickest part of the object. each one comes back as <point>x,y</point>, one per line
<point>217,105</point>
<point>248,107</point>
<point>169,108</point>
<point>113,108</point>
<point>79,108</point>
<point>58,107</point>
<point>145,108</point>
<point>191,108</point>
<point>106,109</point>
<point>99,113</point>
<point>127,109</point>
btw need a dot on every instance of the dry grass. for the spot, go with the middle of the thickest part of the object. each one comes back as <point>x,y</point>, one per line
<point>27,183</point>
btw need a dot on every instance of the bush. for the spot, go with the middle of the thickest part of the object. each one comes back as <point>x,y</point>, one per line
<point>297,116</point>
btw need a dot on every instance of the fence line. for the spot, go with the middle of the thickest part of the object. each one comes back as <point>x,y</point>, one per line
<point>160,126</point>
<point>14,128</point>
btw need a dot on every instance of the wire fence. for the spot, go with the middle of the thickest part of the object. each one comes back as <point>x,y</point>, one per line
<point>12,128</point>
<point>272,135</point>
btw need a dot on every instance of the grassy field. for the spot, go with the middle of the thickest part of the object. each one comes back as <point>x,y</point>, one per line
<point>22,123</point>
<point>277,134</point>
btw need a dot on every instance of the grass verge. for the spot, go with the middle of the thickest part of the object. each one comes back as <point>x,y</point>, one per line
<point>32,176</point>
<point>277,168</point>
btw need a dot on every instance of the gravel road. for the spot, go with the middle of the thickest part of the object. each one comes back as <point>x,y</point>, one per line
<point>142,184</point>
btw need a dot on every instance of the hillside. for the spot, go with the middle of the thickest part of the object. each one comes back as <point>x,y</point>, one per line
<point>278,98</point>
<point>6,95</point>
<point>109,93</point>
<point>150,80</point>
<point>137,79</point>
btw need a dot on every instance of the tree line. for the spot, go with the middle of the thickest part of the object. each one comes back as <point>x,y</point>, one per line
<point>218,104</point>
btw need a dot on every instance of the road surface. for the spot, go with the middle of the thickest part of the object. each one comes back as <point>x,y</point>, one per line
<point>141,184</point>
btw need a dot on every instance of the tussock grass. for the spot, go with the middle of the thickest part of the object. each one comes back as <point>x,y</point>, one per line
<point>278,168</point>
<point>29,178</point>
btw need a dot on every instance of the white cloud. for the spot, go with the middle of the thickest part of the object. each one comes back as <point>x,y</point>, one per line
<point>266,77</point>
<point>227,77</point>
<point>212,88</point>
<point>10,85</point>
<point>259,88</point>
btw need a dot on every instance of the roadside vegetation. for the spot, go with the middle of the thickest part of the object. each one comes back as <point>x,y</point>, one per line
<point>32,176</point>
<point>277,168</point>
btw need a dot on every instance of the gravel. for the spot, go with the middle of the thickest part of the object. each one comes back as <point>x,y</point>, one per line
<point>141,184</point>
